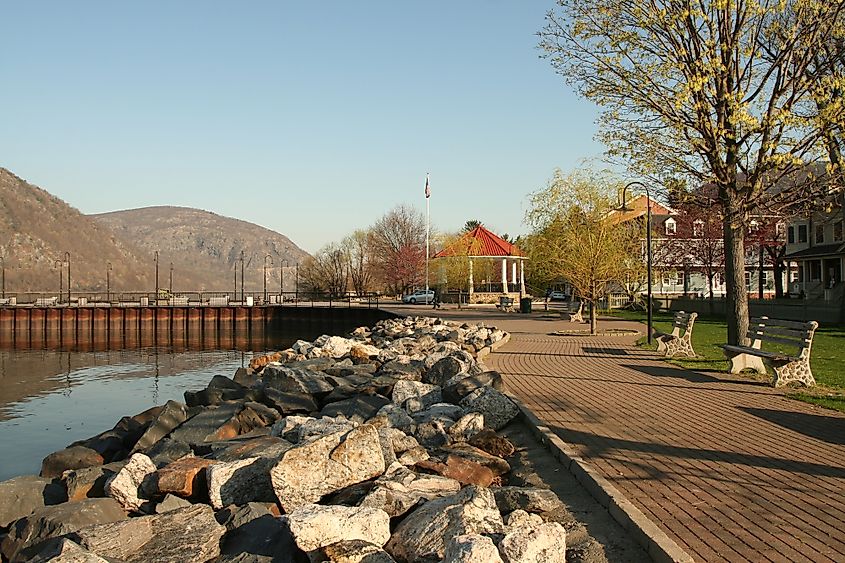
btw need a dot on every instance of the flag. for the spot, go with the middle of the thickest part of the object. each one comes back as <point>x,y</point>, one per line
<point>427,189</point>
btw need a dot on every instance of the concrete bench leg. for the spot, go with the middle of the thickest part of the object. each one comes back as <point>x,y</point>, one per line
<point>793,371</point>
<point>661,344</point>
<point>576,318</point>
<point>679,347</point>
<point>740,362</point>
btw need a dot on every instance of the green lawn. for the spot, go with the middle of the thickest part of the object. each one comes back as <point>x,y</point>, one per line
<point>827,358</point>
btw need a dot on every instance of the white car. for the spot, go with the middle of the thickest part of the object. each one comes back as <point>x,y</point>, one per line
<point>419,296</point>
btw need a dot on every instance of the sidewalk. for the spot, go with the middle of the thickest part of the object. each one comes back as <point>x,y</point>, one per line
<point>729,468</point>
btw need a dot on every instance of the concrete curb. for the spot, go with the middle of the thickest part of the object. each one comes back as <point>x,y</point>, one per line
<point>660,547</point>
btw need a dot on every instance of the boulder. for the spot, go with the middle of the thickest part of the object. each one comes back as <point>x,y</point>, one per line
<point>444,412</point>
<point>62,550</point>
<point>255,416</point>
<point>307,472</point>
<point>167,451</point>
<point>466,427</point>
<point>494,463</point>
<point>296,380</point>
<point>185,478</point>
<point>314,526</point>
<point>425,532</point>
<point>240,482</point>
<point>300,429</point>
<point>255,535</point>
<point>264,446</point>
<point>289,403</point>
<point>170,503</point>
<point>427,394</point>
<point>134,484</point>
<point>213,423</point>
<point>58,520</point>
<point>353,551</point>
<point>74,457</point>
<point>492,443</point>
<point>337,347</point>
<point>186,534</point>
<point>461,469</point>
<point>471,548</point>
<point>89,482</point>
<point>358,408</point>
<point>432,434</point>
<point>21,496</point>
<point>443,370</point>
<point>395,416</point>
<point>462,385</point>
<point>399,490</point>
<point>172,415</point>
<point>529,499</point>
<point>521,519</point>
<point>543,543</point>
<point>496,407</point>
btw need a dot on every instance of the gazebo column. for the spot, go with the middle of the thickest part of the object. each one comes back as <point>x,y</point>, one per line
<point>504,275</point>
<point>471,283</point>
<point>521,278</point>
<point>513,272</point>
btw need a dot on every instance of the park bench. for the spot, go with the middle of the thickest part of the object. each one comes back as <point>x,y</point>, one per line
<point>674,343</point>
<point>45,301</point>
<point>573,310</point>
<point>505,304</point>
<point>787,368</point>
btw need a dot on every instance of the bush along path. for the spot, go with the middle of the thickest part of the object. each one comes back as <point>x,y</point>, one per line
<point>378,447</point>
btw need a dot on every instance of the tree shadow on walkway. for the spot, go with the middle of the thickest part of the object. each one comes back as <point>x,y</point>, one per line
<point>689,375</point>
<point>830,429</point>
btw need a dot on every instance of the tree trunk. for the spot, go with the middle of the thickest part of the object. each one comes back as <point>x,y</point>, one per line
<point>712,307</point>
<point>736,294</point>
<point>592,317</point>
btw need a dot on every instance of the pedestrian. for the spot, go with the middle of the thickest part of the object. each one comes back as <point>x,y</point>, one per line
<point>436,301</point>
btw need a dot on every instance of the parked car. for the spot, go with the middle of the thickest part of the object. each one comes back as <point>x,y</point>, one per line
<point>558,296</point>
<point>419,296</point>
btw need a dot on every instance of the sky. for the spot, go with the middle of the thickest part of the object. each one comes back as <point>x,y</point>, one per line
<point>313,119</point>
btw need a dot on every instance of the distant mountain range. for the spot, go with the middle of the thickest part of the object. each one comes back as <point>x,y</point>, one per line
<point>38,231</point>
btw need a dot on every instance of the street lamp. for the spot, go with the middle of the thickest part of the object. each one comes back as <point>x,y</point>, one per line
<point>59,264</point>
<point>296,286</point>
<point>108,282</point>
<point>67,258</point>
<point>3,262</point>
<point>266,256</point>
<point>282,281</point>
<point>171,280</point>
<point>155,299</point>
<point>242,276</point>
<point>648,246</point>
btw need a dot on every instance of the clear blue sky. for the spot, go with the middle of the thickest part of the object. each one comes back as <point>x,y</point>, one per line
<point>309,118</point>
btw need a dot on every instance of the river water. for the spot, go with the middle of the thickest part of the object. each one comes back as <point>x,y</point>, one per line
<point>50,398</point>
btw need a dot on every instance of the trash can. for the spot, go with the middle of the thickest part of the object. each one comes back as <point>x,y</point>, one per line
<point>525,305</point>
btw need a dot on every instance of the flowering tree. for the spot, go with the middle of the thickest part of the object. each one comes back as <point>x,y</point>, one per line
<point>397,244</point>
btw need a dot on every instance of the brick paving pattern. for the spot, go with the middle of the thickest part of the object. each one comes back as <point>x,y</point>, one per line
<point>729,468</point>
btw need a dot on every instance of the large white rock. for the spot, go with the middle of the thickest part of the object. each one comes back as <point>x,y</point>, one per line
<point>314,526</point>
<point>337,346</point>
<point>496,407</point>
<point>400,489</point>
<point>427,394</point>
<point>424,532</point>
<point>543,543</point>
<point>467,426</point>
<point>132,486</point>
<point>239,482</point>
<point>471,548</point>
<point>324,465</point>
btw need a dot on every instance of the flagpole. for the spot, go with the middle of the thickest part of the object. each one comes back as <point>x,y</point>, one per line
<point>427,229</point>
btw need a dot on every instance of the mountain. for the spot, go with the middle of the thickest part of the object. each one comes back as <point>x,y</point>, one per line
<point>38,229</point>
<point>197,241</point>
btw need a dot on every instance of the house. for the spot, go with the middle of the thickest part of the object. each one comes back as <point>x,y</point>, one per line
<point>815,241</point>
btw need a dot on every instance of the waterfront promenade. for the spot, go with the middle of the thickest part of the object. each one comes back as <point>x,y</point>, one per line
<point>729,468</point>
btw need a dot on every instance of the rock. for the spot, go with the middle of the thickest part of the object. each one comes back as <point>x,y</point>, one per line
<point>544,543</point>
<point>172,415</point>
<point>240,482</point>
<point>425,531</point>
<point>494,463</point>
<point>134,484</point>
<point>427,394</point>
<point>337,347</point>
<point>62,550</point>
<point>264,446</point>
<point>167,451</point>
<point>290,403</point>
<point>314,526</point>
<point>313,364</point>
<point>521,519</point>
<point>400,489</point>
<point>186,534</point>
<point>256,415</point>
<point>413,456</point>
<point>466,427</point>
<point>254,534</point>
<point>353,551</point>
<point>170,503</point>
<point>443,370</point>
<point>529,499</point>
<point>399,441</point>
<point>213,423</point>
<point>471,548</point>
<point>460,386</point>
<point>306,428</point>
<point>461,469</point>
<point>307,472</point>
<point>185,478</point>
<point>58,520</point>
<point>444,412</point>
<point>404,370</point>
<point>361,353</point>
<point>496,407</point>
<point>432,434</point>
<point>358,408</point>
<point>295,380</point>
<point>89,482</point>
<point>21,496</point>
<point>74,457</point>
<point>396,417</point>
<point>492,443</point>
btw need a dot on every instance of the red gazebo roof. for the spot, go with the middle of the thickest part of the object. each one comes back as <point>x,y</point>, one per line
<point>481,243</point>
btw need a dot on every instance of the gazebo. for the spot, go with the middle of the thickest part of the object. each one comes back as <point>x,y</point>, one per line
<point>482,244</point>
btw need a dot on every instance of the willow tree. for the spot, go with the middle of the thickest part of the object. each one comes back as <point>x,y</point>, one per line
<point>713,91</point>
<point>575,237</point>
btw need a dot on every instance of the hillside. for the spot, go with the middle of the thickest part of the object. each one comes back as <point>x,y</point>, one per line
<point>206,243</point>
<point>37,229</point>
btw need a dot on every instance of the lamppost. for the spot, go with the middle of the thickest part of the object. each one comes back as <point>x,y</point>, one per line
<point>170,289</point>
<point>67,258</point>
<point>282,281</point>
<point>3,262</point>
<point>59,264</point>
<point>296,286</point>
<point>108,282</point>
<point>155,299</point>
<point>242,276</point>
<point>266,256</point>
<point>648,246</point>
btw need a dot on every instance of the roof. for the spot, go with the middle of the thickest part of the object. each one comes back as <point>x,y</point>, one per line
<point>480,243</point>
<point>638,207</point>
<point>818,251</point>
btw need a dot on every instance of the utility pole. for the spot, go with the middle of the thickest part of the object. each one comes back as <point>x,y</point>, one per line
<point>67,257</point>
<point>108,282</point>
<point>242,277</point>
<point>171,280</point>
<point>266,256</point>
<point>155,298</point>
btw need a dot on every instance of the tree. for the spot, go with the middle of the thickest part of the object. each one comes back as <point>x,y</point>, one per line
<point>398,249</point>
<point>471,225</point>
<point>358,252</point>
<point>710,91</point>
<point>574,237</point>
<point>327,271</point>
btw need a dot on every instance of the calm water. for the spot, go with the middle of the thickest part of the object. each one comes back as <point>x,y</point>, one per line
<point>51,398</point>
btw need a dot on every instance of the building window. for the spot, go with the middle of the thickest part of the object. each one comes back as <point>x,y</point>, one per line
<point>780,230</point>
<point>837,231</point>
<point>698,228</point>
<point>748,280</point>
<point>802,233</point>
<point>679,280</point>
<point>671,226</point>
<point>819,234</point>
<point>790,235</point>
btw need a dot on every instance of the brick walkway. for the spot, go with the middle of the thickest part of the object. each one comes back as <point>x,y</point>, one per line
<point>729,468</point>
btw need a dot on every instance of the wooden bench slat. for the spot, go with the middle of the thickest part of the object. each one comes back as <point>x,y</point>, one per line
<point>767,338</point>
<point>780,323</point>
<point>762,353</point>
<point>786,332</point>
